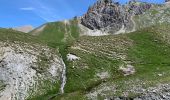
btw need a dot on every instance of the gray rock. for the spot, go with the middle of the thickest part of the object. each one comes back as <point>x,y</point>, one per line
<point>110,16</point>
<point>22,75</point>
<point>167,0</point>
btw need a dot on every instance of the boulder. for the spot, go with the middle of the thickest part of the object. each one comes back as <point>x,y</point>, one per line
<point>127,70</point>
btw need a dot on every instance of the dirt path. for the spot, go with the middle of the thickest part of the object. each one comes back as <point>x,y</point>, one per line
<point>134,24</point>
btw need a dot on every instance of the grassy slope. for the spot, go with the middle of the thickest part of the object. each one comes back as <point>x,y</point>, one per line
<point>149,54</point>
<point>12,35</point>
<point>58,35</point>
<point>143,49</point>
<point>146,50</point>
<point>145,54</point>
<point>158,14</point>
<point>94,62</point>
<point>2,86</point>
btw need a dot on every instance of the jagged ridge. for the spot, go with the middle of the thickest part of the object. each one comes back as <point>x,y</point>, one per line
<point>111,16</point>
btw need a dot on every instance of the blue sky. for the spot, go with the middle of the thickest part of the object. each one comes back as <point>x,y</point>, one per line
<point>15,13</point>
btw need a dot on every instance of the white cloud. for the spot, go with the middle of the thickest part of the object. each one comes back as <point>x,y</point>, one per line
<point>45,11</point>
<point>27,8</point>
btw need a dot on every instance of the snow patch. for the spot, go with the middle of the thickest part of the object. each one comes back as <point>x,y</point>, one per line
<point>66,22</point>
<point>71,57</point>
<point>122,30</point>
<point>63,77</point>
<point>89,32</point>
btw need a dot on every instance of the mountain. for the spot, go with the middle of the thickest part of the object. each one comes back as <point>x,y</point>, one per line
<point>112,17</point>
<point>98,74</point>
<point>58,32</point>
<point>113,52</point>
<point>25,29</point>
<point>167,0</point>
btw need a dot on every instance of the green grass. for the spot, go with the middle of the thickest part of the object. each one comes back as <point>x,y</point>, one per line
<point>51,91</point>
<point>153,12</point>
<point>83,76</point>
<point>80,78</point>
<point>56,34</point>
<point>2,85</point>
<point>71,96</point>
<point>148,53</point>
<point>148,50</point>
<point>150,56</point>
<point>61,36</point>
<point>53,32</point>
<point>12,36</point>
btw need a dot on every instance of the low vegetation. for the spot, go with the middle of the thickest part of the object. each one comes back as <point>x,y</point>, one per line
<point>12,36</point>
<point>142,49</point>
<point>148,50</point>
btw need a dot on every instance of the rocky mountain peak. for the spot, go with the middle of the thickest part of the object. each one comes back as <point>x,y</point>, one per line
<point>167,0</point>
<point>111,16</point>
<point>101,14</point>
<point>104,1</point>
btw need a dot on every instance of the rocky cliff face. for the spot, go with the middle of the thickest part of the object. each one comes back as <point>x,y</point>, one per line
<point>112,17</point>
<point>167,0</point>
<point>25,70</point>
<point>102,14</point>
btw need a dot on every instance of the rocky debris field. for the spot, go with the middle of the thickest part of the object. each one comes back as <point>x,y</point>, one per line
<point>161,92</point>
<point>158,92</point>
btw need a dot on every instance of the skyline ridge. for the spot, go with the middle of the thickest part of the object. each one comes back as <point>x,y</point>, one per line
<point>20,13</point>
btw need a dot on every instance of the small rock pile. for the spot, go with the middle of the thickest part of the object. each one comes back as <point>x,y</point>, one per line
<point>128,70</point>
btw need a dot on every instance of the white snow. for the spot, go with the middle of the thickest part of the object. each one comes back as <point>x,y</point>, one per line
<point>122,30</point>
<point>160,74</point>
<point>71,57</point>
<point>63,77</point>
<point>89,32</point>
<point>66,22</point>
<point>134,24</point>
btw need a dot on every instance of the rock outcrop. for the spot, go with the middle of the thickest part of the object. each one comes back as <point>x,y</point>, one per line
<point>103,14</point>
<point>113,17</point>
<point>167,0</point>
<point>25,70</point>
